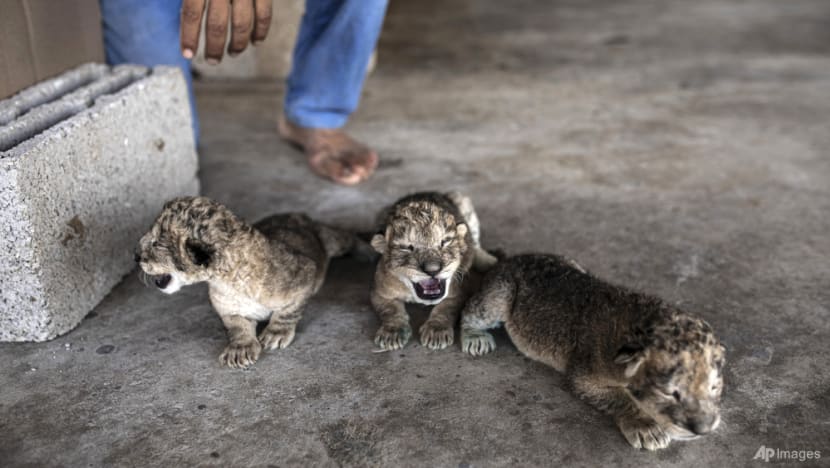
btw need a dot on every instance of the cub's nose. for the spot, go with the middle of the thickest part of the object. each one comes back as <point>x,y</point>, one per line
<point>703,424</point>
<point>431,267</point>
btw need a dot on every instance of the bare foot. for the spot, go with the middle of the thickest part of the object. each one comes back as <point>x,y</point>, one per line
<point>331,152</point>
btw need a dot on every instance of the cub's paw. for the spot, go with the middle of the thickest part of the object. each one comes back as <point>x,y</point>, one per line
<point>435,335</point>
<point>477,342</point>
<point>277,337</point>
<point>644,432</point>
<point>241,353</point>
<point>391,337</point>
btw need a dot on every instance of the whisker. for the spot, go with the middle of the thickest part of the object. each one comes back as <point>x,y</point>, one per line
<point>143,277</point>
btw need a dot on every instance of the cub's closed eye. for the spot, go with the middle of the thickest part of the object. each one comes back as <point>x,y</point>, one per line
<point>667,394</point>
<point>408,247</point>
<point>446,241</point>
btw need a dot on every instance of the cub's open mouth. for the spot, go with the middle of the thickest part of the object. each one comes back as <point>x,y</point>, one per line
<point>161,281</point>
<point>430,289</point>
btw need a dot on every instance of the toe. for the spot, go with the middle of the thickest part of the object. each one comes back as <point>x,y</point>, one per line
<point>325,164</point>
<point>633,438</point>
<point>361,164</point>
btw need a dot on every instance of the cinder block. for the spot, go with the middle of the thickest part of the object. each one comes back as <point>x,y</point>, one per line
<point>86,160</point>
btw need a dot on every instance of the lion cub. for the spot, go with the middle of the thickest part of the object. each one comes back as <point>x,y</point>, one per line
<point>255,273</point>
<point>428,242</point>
<point>656,370</point>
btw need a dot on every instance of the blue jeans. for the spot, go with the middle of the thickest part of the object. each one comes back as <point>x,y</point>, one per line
<point>335,42</point>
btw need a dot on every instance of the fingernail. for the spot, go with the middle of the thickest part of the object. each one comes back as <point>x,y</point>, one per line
<point>257,42</point>
<point>212,61</point>
<point>187,53</point>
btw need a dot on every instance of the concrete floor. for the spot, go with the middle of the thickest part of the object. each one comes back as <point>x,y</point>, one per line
<point>678,147</point>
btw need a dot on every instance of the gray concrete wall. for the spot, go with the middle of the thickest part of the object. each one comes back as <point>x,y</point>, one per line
<point>41,38</point>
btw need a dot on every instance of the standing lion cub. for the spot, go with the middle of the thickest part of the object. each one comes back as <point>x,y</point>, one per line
<point>255,273</point>
<point>655,369</point>
<point>428,242</point>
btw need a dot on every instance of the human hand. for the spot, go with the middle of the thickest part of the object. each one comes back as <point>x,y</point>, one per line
<point>250,20</point>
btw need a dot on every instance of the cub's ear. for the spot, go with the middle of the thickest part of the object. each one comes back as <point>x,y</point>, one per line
<point>379,243</point>
<point>631,356</point>
<point>461,229</point>
<point>198,252</point>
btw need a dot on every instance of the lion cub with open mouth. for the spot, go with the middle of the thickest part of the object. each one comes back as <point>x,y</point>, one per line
<point>255,273</point>
<point>428,243</point>
<point>655,369</point>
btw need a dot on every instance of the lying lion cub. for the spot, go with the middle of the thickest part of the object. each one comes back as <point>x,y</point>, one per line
<point>656,370</point>
<point>255,273</point>
<point>428,243</point>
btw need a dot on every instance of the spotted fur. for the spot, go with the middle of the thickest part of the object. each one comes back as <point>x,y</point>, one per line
<point>432,239</point>
<point>654,368</point>
<point>264,272</point>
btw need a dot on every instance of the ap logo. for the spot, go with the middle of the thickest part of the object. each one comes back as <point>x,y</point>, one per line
<point>764,453</point>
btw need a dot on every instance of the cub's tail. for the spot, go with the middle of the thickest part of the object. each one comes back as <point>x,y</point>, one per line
<point>339,242</point>
<point>483,260</point>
